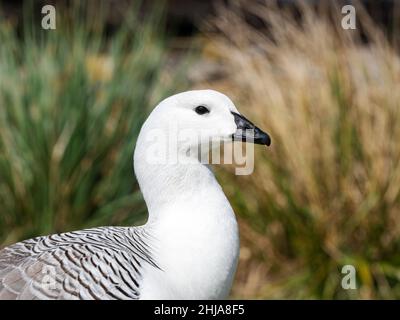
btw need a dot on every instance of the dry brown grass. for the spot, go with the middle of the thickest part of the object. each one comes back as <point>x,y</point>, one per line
<point>327,193</point>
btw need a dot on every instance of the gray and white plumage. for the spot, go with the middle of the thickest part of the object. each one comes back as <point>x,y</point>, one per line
<point>189,247</point>
<point>99,263</point>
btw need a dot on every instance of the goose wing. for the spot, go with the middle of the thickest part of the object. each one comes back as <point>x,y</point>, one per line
<point>98,263</point>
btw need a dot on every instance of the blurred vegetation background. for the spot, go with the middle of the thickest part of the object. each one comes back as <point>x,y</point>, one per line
<point>326,194</point>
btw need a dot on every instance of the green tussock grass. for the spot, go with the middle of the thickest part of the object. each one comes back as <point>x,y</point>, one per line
<point>72,101</point>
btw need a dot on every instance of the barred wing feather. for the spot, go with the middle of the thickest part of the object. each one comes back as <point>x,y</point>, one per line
<point>98,263</point>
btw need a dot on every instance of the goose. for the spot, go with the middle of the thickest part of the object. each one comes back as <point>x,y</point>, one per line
<point>189,246</point>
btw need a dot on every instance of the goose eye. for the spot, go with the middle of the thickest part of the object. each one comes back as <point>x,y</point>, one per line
<point>201,110</point>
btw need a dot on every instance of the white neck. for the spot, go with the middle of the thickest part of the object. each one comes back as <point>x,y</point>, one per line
<point>195,227</point>
<point>166,186</point>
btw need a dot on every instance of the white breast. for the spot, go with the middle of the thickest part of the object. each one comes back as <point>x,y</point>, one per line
<point>197,249</point>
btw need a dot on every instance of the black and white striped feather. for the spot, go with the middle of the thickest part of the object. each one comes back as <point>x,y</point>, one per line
<point>99,263</point>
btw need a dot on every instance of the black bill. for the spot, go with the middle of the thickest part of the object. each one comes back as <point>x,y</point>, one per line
<point>248,132</point>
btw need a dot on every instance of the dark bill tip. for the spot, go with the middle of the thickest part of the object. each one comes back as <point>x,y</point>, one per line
<point>248,132</point>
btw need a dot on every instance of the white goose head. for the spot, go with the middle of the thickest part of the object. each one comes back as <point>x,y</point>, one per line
<point>182,124</point>
<point>199,116</point>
